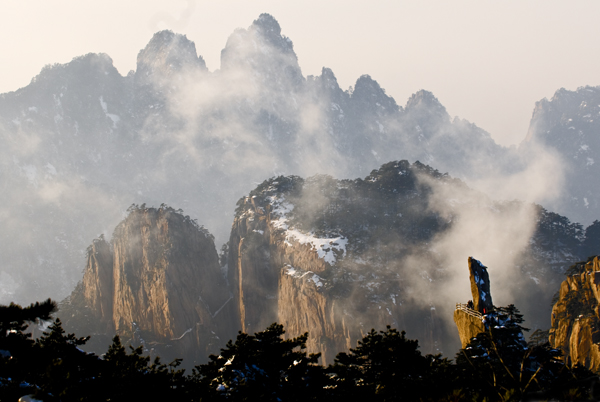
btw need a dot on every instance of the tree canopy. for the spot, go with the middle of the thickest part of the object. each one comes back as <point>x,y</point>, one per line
<point>497,365</point>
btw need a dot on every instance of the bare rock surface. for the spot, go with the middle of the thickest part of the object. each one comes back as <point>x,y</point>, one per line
<point>468,326</point>
<point>480,286</point>
<point>470,320</point>
<point>575,316</point>
<point>157,283</point>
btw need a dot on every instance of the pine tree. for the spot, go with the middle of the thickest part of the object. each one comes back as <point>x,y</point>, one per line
<point>64,372</point>
<point>17,352</point>
<point>386,366</point>
<point>591,243</point>
<point>262,367</point>
<point>499,364</point>
<point>132,376</point>
<point>14,320</point>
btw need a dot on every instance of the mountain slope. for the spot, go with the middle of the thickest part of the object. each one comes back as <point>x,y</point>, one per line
<point>339,257</point>
<point>569,123</point>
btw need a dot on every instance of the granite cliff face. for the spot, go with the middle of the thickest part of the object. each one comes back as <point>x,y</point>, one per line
<point>312,255</point>
<point>576,315</point>
<point>157,283</point>
<point>480,286</point>
<point>469,318</point>
<point>97,287</point>
<point>339,257</point>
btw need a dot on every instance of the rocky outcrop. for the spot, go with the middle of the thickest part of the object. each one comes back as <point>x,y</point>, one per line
<point>480,286</point>
<point>158,283</point>
<point>576,316</point>
<point>468,325</point>
<point>469,319</point>
<point>165,57</point>
<point>300,254</point>
<point>97,285</point>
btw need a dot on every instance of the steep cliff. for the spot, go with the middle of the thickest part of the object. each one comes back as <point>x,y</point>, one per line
<point>339,257</point>
<point>576,316</point>
<point>330,257</point>
<point>97,285</point>
<point>469,319</point>
<point>469,324</point>
<point>158,283</point>
<point>480,286</point>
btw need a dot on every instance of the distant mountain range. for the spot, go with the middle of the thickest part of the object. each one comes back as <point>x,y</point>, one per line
<point>81,143</point>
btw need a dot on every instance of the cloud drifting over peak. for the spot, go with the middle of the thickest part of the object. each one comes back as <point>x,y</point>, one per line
<point>173,132</point>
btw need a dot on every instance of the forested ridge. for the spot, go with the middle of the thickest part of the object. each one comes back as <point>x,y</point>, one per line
<point>497,365</point>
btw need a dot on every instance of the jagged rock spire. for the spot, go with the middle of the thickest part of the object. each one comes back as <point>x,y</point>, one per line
<point>166,54</point>
<point>470,320</point>
<point>480,286</point>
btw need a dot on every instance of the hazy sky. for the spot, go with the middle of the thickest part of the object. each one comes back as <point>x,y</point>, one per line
<point>486,61</point>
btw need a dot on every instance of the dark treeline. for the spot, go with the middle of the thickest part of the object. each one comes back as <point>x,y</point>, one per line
<point>385,366</point>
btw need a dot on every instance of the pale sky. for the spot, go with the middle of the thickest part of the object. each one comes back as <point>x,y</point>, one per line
<point>486,61</point>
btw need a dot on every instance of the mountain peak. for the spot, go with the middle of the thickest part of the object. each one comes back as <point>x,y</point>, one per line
<point>367,89</point>
<point>168,53</point>
<point>425,98</point>
<point>264,49</point>
<point>100,63</point>
<point>267,24</point>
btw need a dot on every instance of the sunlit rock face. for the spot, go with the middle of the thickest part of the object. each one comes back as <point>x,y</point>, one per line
<point>469,320</point>
<point>158,283</point>
<point>576,316</point>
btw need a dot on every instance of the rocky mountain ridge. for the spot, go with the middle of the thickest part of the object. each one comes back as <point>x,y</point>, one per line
<point>82,140</point>
<point>569,124</point>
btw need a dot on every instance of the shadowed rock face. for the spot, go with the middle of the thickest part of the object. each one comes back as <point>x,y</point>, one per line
<point>576,316</point>
<point>97,284</point>
<point>480,286</point>
<point>158,283</point>
<point>568,124</point>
